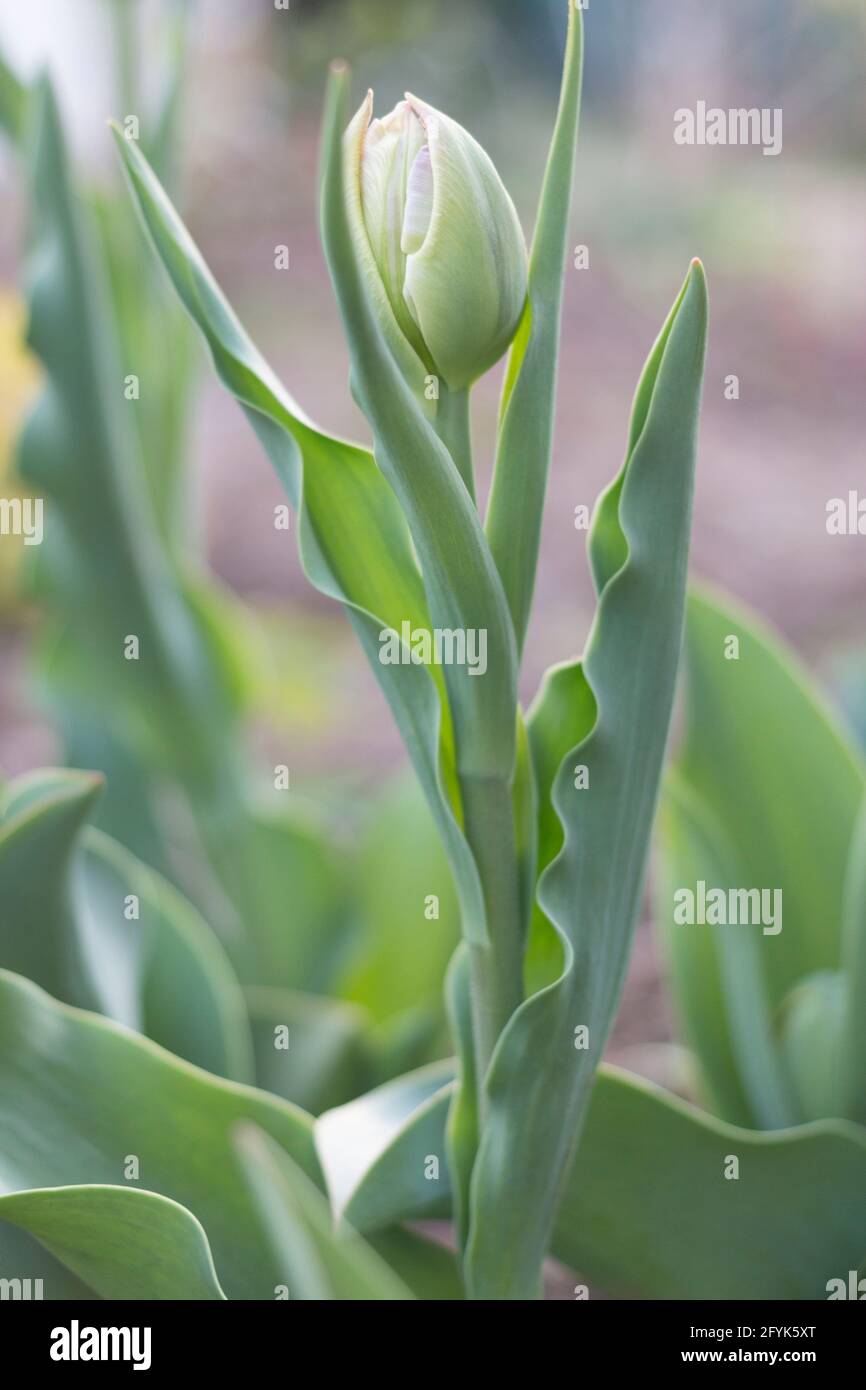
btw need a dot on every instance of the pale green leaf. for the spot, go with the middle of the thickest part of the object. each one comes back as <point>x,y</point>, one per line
<point>82,1097</point>
<point>539,1082</point>
<point>310,1258</point>
<point>524,442</point>
<point>122,1242</point>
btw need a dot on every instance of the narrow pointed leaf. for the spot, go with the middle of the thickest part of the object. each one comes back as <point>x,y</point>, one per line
<point>353,539</point>
<point>524,444</point>
<point>539,1082</point>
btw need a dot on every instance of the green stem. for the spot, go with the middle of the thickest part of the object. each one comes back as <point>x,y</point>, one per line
<point>497,970</point>
<point>452,427</point>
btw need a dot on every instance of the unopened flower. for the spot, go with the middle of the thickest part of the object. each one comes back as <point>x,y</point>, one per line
<point>444,236</point>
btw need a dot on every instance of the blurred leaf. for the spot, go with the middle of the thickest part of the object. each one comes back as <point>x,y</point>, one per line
<point>309,1049</point>
<point>64,895</point>
<point>789,818</point>
<point>741,811</point>
<point>719,972</point>
<point>852,1059</point>
<point>311,1259</point>
<point>22,1256</point>
<point>13,102</point>
<point>810,1041</point>
<point>82,1097</point>
<point>403,949</point>
<point>429,1269</point>
<point>122,1242</point>
<point>539,1082</point>
<point>289,877</point>
<point>101,557</point>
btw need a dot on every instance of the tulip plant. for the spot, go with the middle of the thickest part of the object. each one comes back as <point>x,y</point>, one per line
<point>430,272</point>
<point>161,1144</point>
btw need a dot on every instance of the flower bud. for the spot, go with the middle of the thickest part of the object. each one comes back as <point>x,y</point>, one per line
<point>444,237</point>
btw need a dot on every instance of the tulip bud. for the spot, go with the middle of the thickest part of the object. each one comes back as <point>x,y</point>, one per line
<point>444,237</point>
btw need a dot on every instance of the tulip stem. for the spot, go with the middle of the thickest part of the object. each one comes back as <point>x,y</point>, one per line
<point>452,426</point>
<point>497,969</point>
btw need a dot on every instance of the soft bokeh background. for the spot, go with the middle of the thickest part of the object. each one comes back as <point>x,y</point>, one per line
<point>782,239</point>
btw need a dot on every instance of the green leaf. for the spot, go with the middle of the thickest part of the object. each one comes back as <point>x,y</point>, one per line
<point>790,819</point>
<point>539,1083</point>
<point>402,951</point>
<point>742,812</point>
<point>852,1060</point>
<point>375,1151</point>
<point>79,451</point>
<point>288,877</point>
<point>719,972</point>
<point>13,102</point>
<point>23,1257</point>
<point>464,1121</point>
<point>811,1025</point>
<point>311,1050</point>
<point>64,890</point>
<point>525,435</point>
<point>429,1269</point>
<point>311,1260</point>
<point>82,1096</point>
<point>42,819</point>
<point>122,1242</point>
<point>353,539</point>
<point>646,1209</point>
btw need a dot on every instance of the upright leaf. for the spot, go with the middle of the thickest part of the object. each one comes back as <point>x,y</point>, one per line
<point>539,1083</point>
<point>353,539</point>
<point>525,435</point>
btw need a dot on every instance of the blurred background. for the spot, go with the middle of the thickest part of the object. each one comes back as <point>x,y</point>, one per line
<point>782,239</point>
